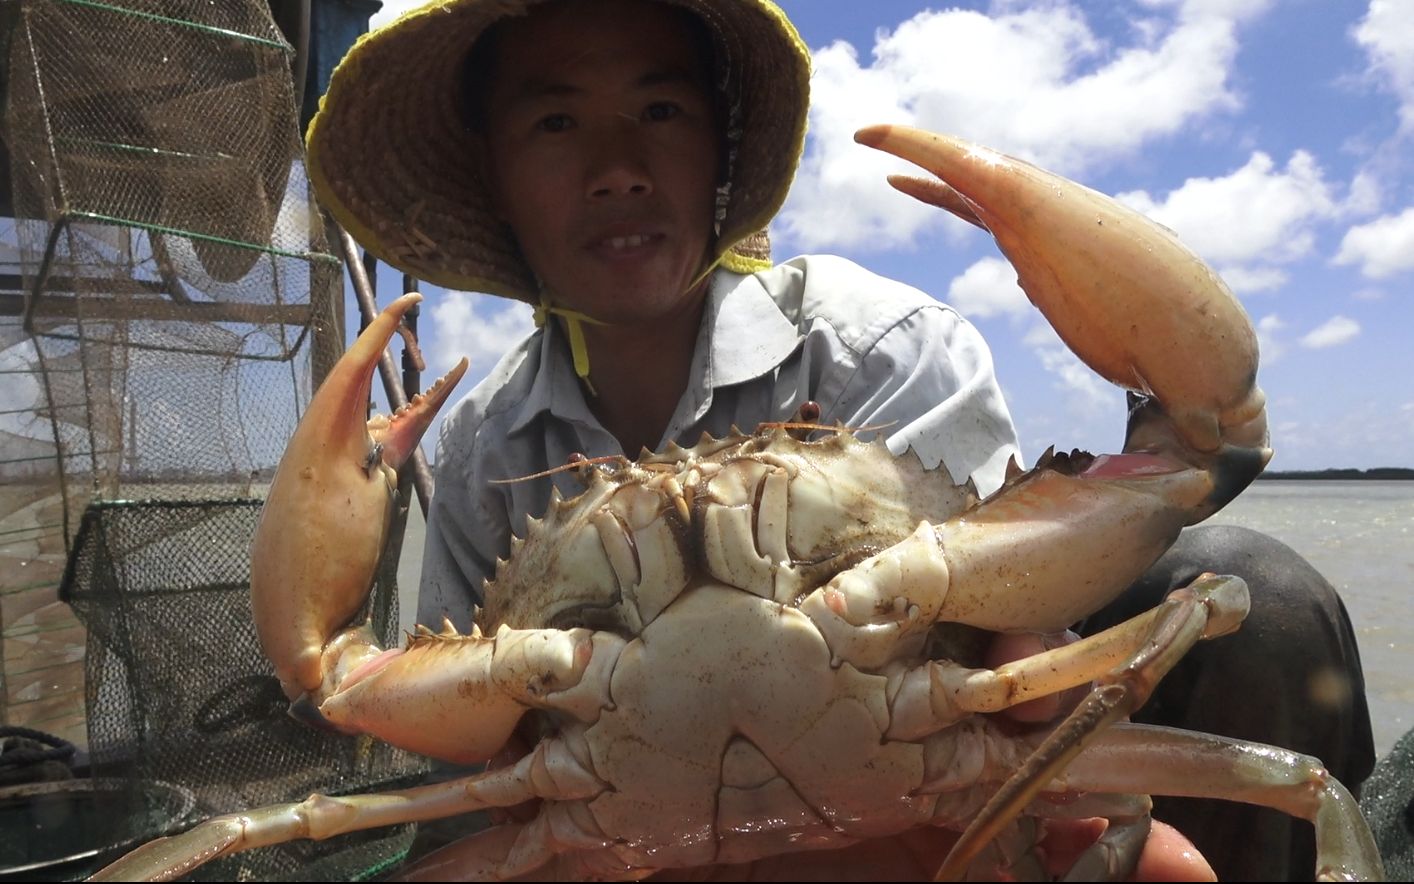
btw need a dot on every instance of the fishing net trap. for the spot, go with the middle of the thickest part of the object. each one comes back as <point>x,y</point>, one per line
<point>168,299</point>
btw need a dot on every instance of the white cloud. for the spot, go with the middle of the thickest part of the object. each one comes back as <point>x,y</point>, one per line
<point>1387,35</point>
<point>1248,280</point>
<point>1235,10</point>
<point>1331,333</point>
<point>1086,392</point>
<point>1033,81</point>
<point>988,288</point>
<point>391,10</point>
<point>1382,247</point>
<point>1307,442</point>
<point>1248,221</point>
<point>1269,344</point>
<point>1365,193</point>
<point>479,327</point>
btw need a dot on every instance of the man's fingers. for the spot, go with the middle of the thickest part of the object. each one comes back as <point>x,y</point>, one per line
<point>1006,648</point>
<point>1167,854</point>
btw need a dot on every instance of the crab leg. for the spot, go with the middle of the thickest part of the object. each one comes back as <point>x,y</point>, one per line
<point>453,696</point>
<point>1088,753</point>
<point>931,697</point>
<point>459,697</point>
<point>1210,607</point>
<point>1164,761</point>
<point>551,771</point>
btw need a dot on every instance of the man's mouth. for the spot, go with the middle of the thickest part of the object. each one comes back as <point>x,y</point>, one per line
<point>627,242</point>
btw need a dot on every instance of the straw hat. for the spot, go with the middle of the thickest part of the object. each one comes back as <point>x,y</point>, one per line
<point>387,150</point>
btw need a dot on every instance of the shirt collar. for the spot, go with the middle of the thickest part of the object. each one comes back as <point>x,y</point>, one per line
<point>749,334</point>
<point>555,387</point>
<point>743,335</point>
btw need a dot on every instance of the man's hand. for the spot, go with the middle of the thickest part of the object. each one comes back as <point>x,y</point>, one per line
<point>1007,648</point>
<point>918,854</point>
<point>1167,856</point>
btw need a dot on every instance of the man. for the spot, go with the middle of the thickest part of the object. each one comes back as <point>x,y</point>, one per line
<point>607,161</point>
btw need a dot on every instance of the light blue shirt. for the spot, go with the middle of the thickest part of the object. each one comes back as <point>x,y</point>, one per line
<point>869,350</point>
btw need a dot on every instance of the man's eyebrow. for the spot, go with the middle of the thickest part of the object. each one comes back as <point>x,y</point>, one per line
<point>674,75</point>
<point>532,88</point>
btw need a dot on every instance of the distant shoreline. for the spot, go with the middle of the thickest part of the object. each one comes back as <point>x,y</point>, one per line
<point>1383,474</point>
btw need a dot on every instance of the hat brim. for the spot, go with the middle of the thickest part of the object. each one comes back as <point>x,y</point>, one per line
<point>388,150</point>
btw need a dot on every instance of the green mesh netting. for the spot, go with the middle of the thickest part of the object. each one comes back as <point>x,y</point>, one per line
<point>167,298</point>
<point>169,266</point>
<point>179,692</point>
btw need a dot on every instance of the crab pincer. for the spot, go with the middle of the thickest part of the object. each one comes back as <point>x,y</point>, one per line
<point>1157,321</point>
<point>325,520</point>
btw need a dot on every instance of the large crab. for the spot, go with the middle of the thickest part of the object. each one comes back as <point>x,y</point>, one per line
<point>758,645</point>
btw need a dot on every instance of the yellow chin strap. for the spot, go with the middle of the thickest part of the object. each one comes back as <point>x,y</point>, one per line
<point>574,323</point>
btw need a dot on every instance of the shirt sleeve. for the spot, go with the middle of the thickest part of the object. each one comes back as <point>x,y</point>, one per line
<point>929,377</point>
<point>464,530</point>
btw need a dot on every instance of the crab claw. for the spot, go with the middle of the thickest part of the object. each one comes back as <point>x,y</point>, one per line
<point>1141,310</point>
<point>1125,295</point>
<point>325,520</point>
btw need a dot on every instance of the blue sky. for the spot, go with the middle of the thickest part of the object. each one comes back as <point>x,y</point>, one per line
<point>1274,137</point>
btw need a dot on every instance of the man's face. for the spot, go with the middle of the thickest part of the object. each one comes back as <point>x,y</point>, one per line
<point>601,153</point>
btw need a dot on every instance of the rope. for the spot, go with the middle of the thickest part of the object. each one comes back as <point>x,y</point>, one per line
<point>28,755</point>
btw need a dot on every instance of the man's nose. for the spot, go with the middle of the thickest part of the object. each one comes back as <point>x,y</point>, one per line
<point>617,167</point>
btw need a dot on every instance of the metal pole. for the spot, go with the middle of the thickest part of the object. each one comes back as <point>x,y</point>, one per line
<point>412,376</point>
<point>392,386</point>
<point>412,385</point>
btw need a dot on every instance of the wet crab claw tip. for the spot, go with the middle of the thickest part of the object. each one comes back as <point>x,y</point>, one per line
<point>372,341</point>
<point>340,403</point>
<point>873,136</point>
<point>936,193</point>
<point>926,149</point>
